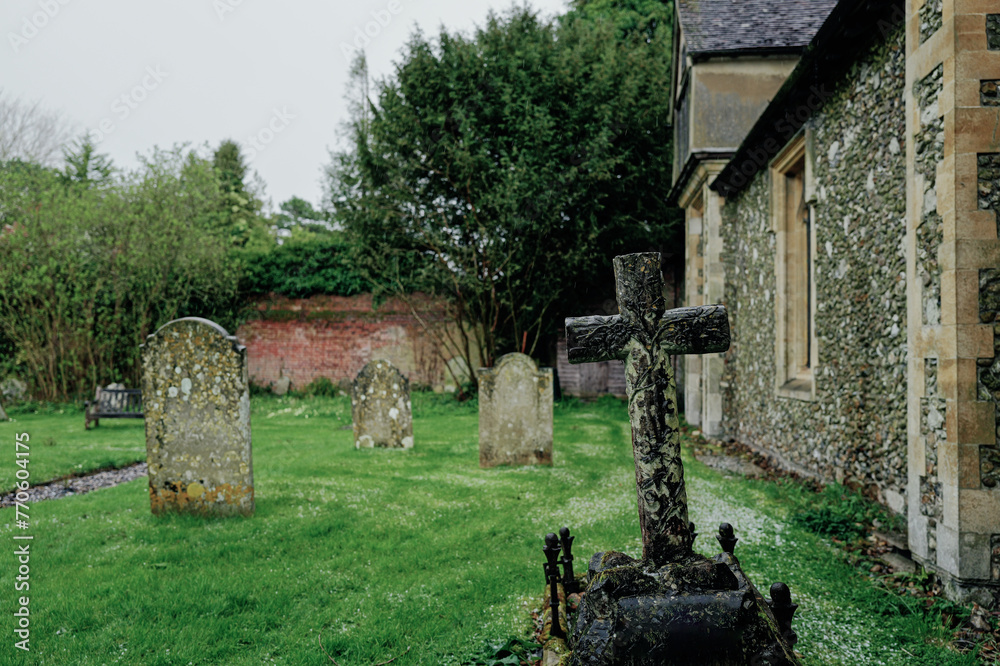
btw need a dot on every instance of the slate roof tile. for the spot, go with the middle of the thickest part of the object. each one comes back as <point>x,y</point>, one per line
<point>730,25</point>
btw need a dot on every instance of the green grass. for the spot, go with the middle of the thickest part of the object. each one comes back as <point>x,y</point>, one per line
<point>61,446</point>
<point>382,550</point>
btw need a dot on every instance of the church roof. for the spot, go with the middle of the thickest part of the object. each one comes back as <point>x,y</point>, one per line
<point>849,31</point>
<point>718,26</point>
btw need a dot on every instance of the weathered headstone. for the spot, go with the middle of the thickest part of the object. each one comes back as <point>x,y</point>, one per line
<point>380,407</point>
<point>118,401</point>
<point>515,413</point>
<point>14,389</point>
<point>456,370</point>
<point>282,385</point>
<point>673,606</point>
<point>197,405</point>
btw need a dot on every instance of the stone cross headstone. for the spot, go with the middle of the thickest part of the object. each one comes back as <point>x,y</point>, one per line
<point>515,413</point>
<point>380,407</point>
<point>674,606</point>
<point>196,392</point>
<point>645,335</point>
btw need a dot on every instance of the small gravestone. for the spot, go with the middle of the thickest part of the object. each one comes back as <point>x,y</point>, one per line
<point>380,408</point>
<point>14,389</point>
<point>456,374</point>
<point>282,385</point>
<point>197,404</point>
<point>515,413</point>
<point>118,401</point>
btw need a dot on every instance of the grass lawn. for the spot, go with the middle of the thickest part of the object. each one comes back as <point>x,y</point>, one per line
<point>379,551</point>
<point>60,446</point>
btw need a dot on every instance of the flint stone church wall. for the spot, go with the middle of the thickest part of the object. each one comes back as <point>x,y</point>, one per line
<point>856,428</point>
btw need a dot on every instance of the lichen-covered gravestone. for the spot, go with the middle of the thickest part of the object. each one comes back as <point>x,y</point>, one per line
<point>197,402</point>
<point>515,413</point>
<point>380,407</point>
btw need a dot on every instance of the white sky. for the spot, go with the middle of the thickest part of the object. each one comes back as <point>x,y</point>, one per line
<point>144,73</point>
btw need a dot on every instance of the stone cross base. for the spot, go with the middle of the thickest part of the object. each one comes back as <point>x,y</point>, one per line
<point>693,611</point>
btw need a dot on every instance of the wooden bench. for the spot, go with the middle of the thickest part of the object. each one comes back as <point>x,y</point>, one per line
<point>113,403</point>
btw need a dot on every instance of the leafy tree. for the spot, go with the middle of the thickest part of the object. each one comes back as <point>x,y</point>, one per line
<point>298,211</point>
<point>630,17</point>
<point>87,273</point>
<point>296,217</point>
<point>228,163</point>
<point>505,170</point>
<point>84,165</point>
<point>240,206</point>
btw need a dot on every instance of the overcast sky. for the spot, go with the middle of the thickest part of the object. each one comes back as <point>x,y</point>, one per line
<point>150,73</point>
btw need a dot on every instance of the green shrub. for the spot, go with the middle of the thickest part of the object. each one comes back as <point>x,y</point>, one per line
<point>828,522</point>
<point>513,652</point>
<point>301,268</point>
<point>87,272</point>
<point>843,513</point>
<point>321,386</point>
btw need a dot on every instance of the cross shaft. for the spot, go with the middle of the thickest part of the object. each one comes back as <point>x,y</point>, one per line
<point>645,335</point>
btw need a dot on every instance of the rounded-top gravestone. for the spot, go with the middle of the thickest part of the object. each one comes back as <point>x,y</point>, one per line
<point>380,407</point>
<point>515,413</point>
<point>197,404</point>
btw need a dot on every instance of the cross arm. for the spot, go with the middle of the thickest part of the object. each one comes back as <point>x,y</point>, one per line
<point>596,338</point>
<point>695,330</point>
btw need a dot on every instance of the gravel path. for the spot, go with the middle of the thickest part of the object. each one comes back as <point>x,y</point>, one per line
<point>79,485</point>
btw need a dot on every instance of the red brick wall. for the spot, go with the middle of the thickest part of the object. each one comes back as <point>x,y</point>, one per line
<point>335,336</point>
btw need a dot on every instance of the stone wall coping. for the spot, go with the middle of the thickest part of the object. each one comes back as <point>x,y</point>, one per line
<point>356,303</point>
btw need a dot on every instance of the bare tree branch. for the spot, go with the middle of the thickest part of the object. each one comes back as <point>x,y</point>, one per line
<point>31,132</point>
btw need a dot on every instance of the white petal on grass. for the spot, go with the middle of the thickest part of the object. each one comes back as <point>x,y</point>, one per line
<point>709,505</point>
<point>611,499</point>
<point>839,636</point>
<point>466,481</point>
<point>590,450</point>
